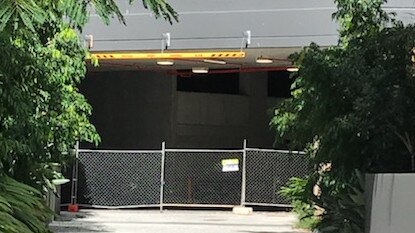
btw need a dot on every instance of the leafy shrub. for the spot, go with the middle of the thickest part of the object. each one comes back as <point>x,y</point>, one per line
<point>342,205</point>
<point>42,113</point>
<point>338,208</point>
<point>297,191</point>
<point>22,208</point>
<point>352,107</point>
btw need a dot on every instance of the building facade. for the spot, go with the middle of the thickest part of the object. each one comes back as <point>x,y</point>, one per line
<point>138,103</point>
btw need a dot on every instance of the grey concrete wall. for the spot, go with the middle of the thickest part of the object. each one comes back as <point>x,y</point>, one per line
<point>131,110</point>
<point>392,208</point>
<point>139,110</point>
<point>206,120</point>
<point>219,24</point>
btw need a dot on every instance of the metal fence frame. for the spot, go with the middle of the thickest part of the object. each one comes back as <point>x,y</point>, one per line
<point>163,151</point>
<point>301,173</point>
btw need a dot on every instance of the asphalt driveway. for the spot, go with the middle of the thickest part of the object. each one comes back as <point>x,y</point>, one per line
<point>173,221</point>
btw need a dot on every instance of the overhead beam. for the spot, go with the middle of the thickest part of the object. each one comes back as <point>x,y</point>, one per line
<point>176,55</point>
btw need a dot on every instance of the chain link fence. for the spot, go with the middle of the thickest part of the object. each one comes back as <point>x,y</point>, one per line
<point>119,178</point>
<point>267,171</point>
<point>180,177</point>
<point>195,177</point>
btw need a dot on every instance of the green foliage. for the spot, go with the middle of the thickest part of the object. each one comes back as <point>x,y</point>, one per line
<point>341,204</point>
<point>358,18</point>
<point>22,208</point>
<point>160,9</point>
<point>42,113</point>
<point>338,208</point>
<point>16,14</point>
<point>305,214</point>
<point>352,108</point>
<point>42,61</point>
<point>298,191</point>
<point>27,12</point>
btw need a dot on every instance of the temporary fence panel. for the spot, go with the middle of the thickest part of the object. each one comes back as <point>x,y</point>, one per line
<point>202,177</point>
<point>119,178</point>
<point>183,177</point>
<point>267,171</point>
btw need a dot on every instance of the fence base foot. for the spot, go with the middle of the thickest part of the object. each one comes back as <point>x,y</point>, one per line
<point>73,208</point>
<point>242,210</point>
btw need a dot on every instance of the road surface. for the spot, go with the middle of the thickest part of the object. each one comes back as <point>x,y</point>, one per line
<point>173,221</point>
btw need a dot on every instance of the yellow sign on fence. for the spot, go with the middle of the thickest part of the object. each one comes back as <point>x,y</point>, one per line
<point>230,165</point>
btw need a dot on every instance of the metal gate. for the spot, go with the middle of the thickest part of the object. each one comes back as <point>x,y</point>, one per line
<point>184,177</point>
<point>119,178</point>
<point>267,171</point>
<point>196,178</point>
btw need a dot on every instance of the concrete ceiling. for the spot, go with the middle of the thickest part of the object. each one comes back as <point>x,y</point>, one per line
<point>184,66</point>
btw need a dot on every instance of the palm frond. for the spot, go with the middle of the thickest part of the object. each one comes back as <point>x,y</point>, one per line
<point>160,8</point>
<point>22,208</point>
<point>26,11</point>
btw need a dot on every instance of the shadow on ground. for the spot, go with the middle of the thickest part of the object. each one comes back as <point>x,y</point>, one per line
<point>65,223</point>
<point>81,229</point>
<point>265,232</point>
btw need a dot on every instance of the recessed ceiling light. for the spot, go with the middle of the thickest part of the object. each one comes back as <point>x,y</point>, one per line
<point>200,70</point>
<point>220,62</point>
<point>263,60</point>
<point>165,63</point>
<point>292,69</point>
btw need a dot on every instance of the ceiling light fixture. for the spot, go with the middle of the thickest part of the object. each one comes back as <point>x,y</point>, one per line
<point>165,63</point>
<point>263,60</point>
<point>200,70</point>
<point>292,69</point>
<point>219,62</point>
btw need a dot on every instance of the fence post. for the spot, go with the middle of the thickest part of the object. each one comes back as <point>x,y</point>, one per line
<point>73,207</point>
<point>163,156</point>
<point>243,188</point>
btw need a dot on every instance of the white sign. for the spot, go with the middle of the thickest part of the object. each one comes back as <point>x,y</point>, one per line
<point>230,165</point>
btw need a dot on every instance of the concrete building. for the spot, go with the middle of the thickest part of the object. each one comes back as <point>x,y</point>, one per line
<point>137,103</point>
